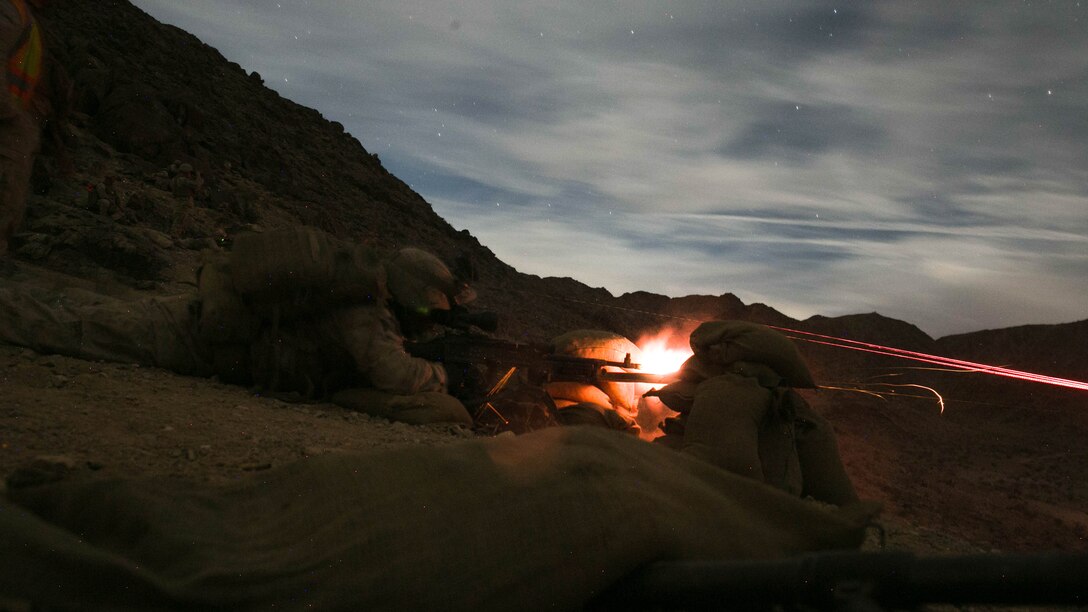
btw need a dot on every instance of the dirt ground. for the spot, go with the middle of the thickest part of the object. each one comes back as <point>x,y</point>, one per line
<point>989,476</point>
<point>121,420</point>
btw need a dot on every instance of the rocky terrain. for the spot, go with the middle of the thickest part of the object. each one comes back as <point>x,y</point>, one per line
<point>148,159</point>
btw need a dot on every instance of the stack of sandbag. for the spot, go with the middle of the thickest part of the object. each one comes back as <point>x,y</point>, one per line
<point>738,409</point>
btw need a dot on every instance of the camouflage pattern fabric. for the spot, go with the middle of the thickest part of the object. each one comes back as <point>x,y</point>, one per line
<point>420,282</point>
<point>345,348</point>
<point>300,272</point>
<point>158,332</point>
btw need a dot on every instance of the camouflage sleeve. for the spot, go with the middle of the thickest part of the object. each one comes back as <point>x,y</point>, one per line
<point>372,336</point>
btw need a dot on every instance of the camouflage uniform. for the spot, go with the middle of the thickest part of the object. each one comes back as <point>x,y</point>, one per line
<point>153,332</point>
<point>352,353</point>
<point>402,387</point>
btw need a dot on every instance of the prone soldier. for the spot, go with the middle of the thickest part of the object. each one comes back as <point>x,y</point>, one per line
<point>295,312</point>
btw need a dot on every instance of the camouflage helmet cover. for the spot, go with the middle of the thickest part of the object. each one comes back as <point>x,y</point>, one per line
<point>420,281</point>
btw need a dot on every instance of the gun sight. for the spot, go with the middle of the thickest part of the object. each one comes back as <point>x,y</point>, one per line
<point>462,318</point>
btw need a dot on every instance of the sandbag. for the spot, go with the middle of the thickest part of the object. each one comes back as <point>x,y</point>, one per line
<point>736,424</point>
<point>581,404</point>
<point>294,272</point>
<point>423,408</point>
<point>542,521</point>
<point>822,471</point>
<point>679,395</point>
<point>568,393</point>
<point>596,415</point>
<point>598,344</point>
<point>725,342</point>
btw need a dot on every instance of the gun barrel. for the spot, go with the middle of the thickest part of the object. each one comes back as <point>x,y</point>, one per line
<point>636,377</point>
<point>890,579</point>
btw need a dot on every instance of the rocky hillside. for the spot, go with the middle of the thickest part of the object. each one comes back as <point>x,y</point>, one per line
<point>156,146</point>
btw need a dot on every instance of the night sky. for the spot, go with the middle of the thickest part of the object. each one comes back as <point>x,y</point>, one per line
<point>925,160</point>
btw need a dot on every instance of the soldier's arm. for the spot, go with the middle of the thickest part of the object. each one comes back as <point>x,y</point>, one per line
<point>371,335</point>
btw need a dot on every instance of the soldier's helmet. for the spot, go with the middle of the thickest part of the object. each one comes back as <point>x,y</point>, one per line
<point>420,282</point>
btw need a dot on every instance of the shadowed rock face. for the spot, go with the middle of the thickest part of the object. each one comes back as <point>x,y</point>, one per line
<point>156,146</point>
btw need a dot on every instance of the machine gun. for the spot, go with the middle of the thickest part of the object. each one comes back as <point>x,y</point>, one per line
<point>855,581</point>
<point>480,366</point>
<point>502,382</point>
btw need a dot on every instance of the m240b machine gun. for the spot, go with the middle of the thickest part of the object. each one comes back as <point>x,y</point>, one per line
<point>479,365</point>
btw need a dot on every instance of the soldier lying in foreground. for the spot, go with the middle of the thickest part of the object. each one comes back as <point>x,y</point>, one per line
<point>547,520</point>
<point>559,519</point>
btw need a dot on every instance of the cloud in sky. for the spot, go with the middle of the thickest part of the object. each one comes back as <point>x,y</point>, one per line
<point>926,161</point>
